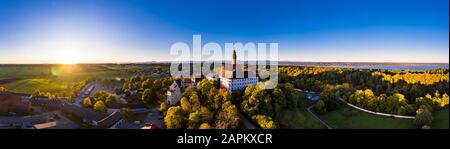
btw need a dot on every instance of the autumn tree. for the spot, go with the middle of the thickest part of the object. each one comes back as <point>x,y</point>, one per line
<point>87,102</point>
<point>185,105</point>
<point>100,106</point>
<point>265,122</point>
<point>194,120</point>
<point>126,113</point>
<point>174,118</point>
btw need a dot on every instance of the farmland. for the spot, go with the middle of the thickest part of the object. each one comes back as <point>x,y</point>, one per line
<point>60,78</point>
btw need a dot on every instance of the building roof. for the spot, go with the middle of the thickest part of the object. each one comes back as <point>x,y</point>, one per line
<point>83,113</point>
<point>110,120</point>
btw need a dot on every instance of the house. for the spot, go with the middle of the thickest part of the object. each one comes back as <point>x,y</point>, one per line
<point>46,103</point>
<point>86,115</point>
<point>12,103</point>
<point>126,105</point>
<point>110,120</point>
<point>174,93</point>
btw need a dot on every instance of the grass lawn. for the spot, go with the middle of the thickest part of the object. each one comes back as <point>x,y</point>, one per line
<point>298,119</point>
<point>440,119</point>
<point>347,118</point>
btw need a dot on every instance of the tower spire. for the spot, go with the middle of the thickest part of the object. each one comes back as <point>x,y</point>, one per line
<point>234,60</point>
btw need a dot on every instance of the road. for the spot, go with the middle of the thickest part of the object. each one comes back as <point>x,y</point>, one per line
<point>318,118</point>
<point>247,123</point>
<point>314,114</point>
<point>80,98</point>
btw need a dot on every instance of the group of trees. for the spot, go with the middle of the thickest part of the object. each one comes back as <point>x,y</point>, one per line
<point>397,104</point>
<point>410,83</point>
<point>402,92</point>
<point>3,89</point>
<point>393,104</point>
<point>265,106</point>
<point>204,107</point>
<point>99,101</point>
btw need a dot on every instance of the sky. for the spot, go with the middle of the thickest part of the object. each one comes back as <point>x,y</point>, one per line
<point>104,31</point>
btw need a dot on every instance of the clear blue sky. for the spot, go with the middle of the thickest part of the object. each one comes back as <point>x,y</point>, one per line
<point>49,31</point>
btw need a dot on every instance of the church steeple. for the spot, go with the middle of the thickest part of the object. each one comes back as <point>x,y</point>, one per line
<point>234,60</point>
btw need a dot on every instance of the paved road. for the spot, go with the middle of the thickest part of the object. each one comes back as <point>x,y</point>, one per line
<point>314,114</point>
<point>247,123</point>
<point>318,118</point>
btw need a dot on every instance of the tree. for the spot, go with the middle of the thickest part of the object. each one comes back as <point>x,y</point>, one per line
<point>329,98</point>
<point>423,117</point>
<point>163,107</point>
<point>205,114</point>
<point>147,84</point>
<point>3,89</point>
<point>126,113</point>
<point>205,126</point>
<point>111,99</point>
<point>204,87</point>
<point>100,106</point>
<point>195,101</point>
<point>184,102</point>
<point>174,118</point>
<point>147,96</point>
<point>319,107</point>
<point>87,102</point>
<point>401,111</point>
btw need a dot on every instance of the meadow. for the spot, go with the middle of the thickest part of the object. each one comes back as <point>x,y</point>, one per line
<point>348,118</point>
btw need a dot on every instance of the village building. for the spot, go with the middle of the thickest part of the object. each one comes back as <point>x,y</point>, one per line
<point>174,92</point>
<point>14,104</point>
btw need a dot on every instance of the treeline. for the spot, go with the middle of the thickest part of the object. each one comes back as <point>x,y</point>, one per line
<point>203,107</point>
<point>265,106</point>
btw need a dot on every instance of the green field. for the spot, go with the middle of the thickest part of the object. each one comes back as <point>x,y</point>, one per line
<point>347,118</point>
<point>440,119</point>
<point>298,119</point>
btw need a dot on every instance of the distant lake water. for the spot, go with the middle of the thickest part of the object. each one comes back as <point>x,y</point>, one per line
<point>393,67</point>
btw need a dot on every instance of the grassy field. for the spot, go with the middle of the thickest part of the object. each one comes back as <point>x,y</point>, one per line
<point>298,119</point>
<point>441,119</point>
<point>347,118</point>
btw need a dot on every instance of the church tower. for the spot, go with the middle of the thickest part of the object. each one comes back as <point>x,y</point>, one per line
<point>234,60</point>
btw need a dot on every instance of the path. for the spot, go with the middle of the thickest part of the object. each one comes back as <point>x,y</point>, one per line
<point>317,117</point>
<point>314,114</point>
<point>247,123</point>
